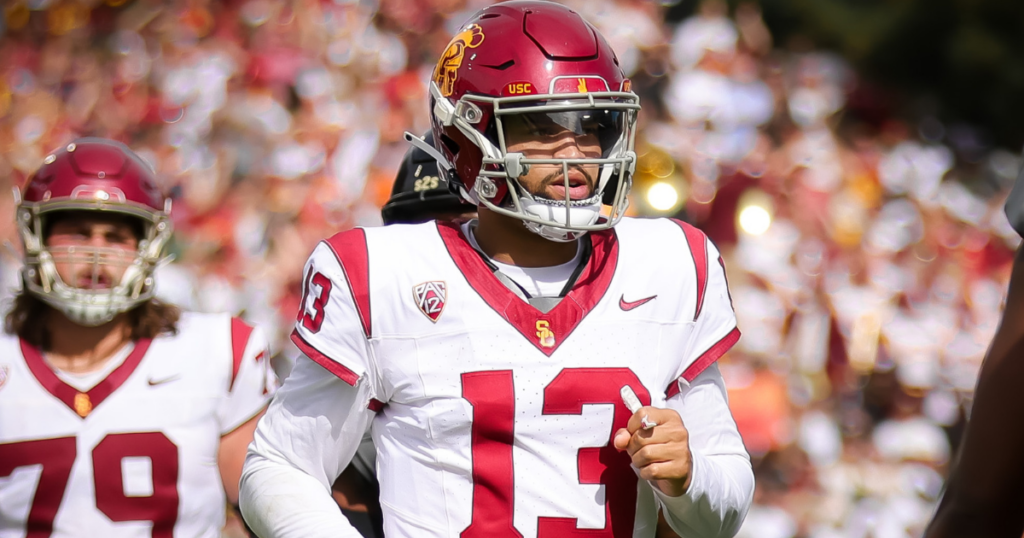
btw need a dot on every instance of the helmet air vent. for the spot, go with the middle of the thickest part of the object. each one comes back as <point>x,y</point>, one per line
<point>503,66</point>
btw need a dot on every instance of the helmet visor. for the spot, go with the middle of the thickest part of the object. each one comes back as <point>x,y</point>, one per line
<point>589,134</point>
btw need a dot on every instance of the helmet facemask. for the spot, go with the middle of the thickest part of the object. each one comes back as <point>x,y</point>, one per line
<point>600,124</point>
<point>97,294</point>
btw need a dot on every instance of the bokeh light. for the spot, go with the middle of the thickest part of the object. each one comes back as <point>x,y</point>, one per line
<point>755,220</point>
<point>662,196</point>
<point>755,212</point>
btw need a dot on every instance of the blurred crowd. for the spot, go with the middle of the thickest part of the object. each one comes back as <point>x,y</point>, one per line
<point>867,252</point>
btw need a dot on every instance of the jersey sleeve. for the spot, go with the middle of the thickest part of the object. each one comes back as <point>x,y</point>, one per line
<point>721,477</point>
<point>333,325</point>
<point>252,383</point>
<point>309,434</point>
<point>714,321</point>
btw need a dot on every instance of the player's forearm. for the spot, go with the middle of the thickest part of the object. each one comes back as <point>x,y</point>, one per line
<point>720,493</point>
<point>306,438</point>
<point>280,501</point>
<point>721,479</point>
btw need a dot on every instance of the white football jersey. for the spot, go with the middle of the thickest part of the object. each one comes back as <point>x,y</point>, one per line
<point>494,418</point>
<point>136,455</point>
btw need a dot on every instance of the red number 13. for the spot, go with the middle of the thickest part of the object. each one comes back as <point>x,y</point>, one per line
<point>492,396</point>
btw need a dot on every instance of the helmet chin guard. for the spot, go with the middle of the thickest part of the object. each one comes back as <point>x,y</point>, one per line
<point>580,216</point>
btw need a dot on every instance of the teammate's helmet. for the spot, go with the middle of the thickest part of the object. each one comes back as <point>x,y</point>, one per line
<point>92,174</point>
<point>542,61</point>
<point>420,192</point>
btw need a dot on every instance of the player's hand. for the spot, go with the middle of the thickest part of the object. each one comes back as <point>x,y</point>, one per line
<point>661,453</point>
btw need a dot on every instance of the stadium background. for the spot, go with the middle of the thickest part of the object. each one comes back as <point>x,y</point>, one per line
<point>849,158</point>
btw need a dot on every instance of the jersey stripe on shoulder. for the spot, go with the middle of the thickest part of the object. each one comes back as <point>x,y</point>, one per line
<point>725,274</point>
<point>240,333</point>
<point>698,244</point>
<point>349,248</point>
<point>334,367</point>
<point>713,353</point>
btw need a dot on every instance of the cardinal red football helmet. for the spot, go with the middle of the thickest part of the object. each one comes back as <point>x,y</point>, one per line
<point>539,62</point>
<point>92,174</point>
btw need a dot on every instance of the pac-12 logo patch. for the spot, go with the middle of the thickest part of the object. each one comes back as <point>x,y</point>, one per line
<point>5,373</point>
<point>431,297</point>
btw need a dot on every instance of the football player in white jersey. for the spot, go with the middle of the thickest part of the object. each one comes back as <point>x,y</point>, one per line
<point>120,416</point>
<point>546,370</point>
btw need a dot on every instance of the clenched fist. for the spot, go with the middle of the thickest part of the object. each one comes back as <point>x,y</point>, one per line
<point>661,453</point>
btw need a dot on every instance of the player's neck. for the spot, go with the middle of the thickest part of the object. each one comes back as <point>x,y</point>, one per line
<point>506,240</point>
<point>77,349</point>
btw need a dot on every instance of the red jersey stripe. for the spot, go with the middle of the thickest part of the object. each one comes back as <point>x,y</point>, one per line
<point>332,366</point>
<point>240,333</point>
<point>563,319</point>
<point>349,248</point>
<point>698,243</point>
<point>713,353</point>
<point>44,373</point>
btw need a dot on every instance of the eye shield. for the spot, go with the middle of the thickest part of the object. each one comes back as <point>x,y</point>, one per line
<point>606,126</point>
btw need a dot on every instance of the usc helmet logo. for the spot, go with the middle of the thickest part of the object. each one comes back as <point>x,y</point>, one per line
<point>447,70</point>
<point>544,334</point>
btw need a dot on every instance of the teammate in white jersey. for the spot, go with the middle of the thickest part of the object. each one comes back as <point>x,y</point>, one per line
<point>490,357</point>
<point>119,415</point>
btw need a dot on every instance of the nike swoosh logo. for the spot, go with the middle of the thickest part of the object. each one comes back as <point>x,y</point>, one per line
<point>155,382</point>
<point>629,305</point>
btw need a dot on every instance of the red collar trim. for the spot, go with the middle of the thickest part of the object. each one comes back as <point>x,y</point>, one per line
<point>82,403</point>
<point>548,330</point>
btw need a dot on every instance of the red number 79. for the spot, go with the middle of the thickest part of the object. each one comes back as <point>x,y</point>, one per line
<point>57,456</point>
